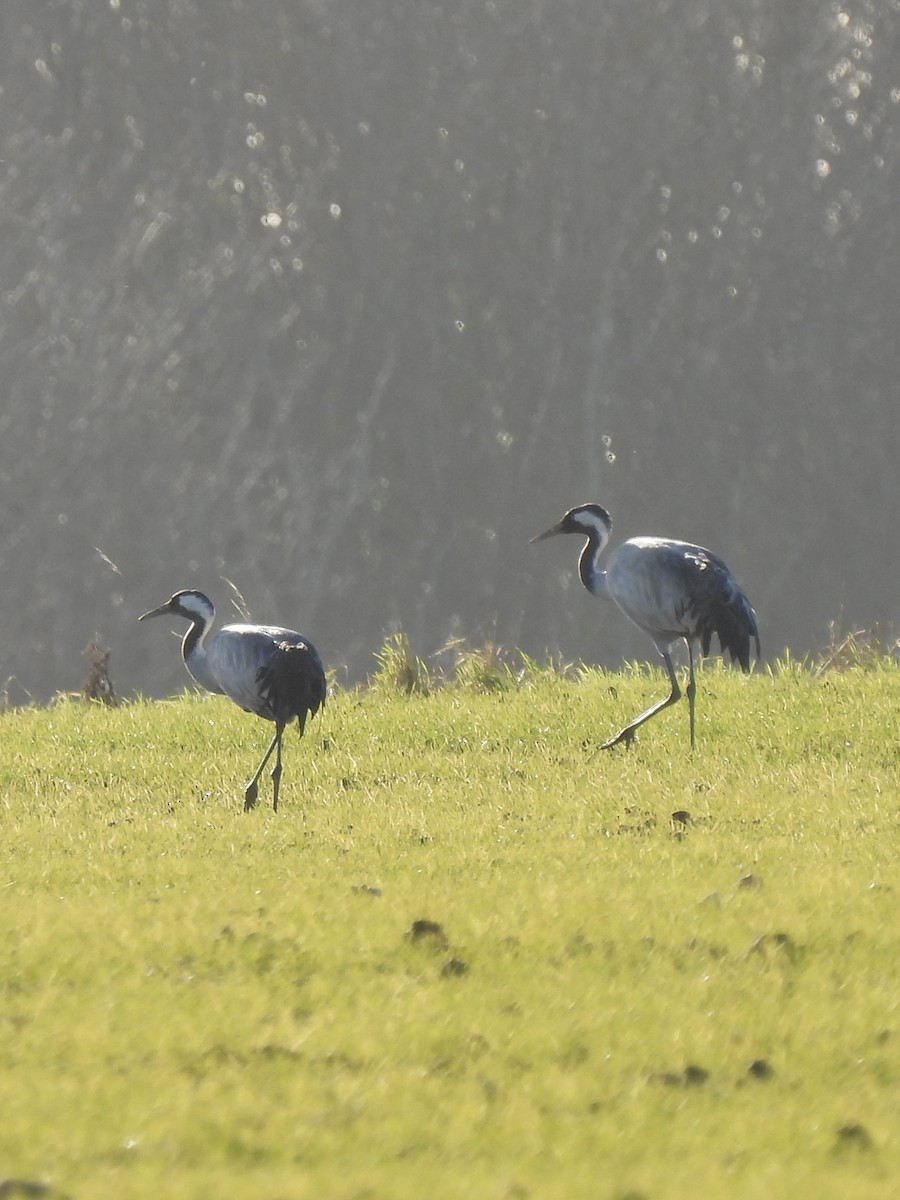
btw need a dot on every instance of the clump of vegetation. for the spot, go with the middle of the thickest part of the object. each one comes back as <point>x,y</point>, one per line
<point>399,669</point>
<point>860,649</point>
<point>97,684</point>
<point>485,669</point>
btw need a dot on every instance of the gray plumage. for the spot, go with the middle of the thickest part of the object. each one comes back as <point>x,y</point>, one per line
<point>265,669</point>
<point>672,590</point>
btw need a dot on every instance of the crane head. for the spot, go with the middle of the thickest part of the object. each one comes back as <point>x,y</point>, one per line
<point>590,520</point>
<point>192,605</point>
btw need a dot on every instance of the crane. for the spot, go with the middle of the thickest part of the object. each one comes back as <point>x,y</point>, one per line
<point>265,669</point>
<point>672,590</point>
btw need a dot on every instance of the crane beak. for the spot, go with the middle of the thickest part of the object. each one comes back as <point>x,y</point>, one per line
<point>156,612</point>
<point>547,533</point>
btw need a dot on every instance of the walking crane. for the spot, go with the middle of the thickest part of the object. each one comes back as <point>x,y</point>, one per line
<point>672,590</point>
<point>265,669</point>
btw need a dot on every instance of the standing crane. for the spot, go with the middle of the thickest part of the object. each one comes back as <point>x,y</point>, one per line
<point>671,590</point>
<point>267,670</point>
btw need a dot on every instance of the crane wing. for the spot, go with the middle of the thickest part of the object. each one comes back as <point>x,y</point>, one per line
<point>674,590</point>
<point>293,683</point>
<point>718,606</point>
<point>273,672</point>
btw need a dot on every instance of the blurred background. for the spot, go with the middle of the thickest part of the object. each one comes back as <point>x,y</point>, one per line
<point>343,300</point>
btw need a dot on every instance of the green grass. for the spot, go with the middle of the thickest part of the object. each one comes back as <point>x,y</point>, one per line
<point>610,1002</point>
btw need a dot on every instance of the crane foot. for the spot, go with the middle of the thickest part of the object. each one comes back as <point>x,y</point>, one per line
<point>626,736</point>
<point>250,796</point>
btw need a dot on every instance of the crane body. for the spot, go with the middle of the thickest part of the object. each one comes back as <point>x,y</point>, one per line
<point>672,590</point>
<point>268,670</point>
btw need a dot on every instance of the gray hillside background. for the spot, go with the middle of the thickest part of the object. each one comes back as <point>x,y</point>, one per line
<point>343,301</point>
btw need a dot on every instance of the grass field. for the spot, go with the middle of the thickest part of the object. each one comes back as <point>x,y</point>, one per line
<point>469,957</point>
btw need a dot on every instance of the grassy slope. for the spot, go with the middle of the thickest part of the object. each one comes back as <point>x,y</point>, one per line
<point>230,1003</point>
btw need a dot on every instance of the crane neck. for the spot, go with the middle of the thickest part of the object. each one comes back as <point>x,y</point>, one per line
<point>193,651</point>
<point>593,578</point>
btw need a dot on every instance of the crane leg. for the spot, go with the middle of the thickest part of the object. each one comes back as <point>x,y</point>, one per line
<point>276,771</point>
<point>626,735</point>
<point>691,690</point>
<point>252,787</point>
